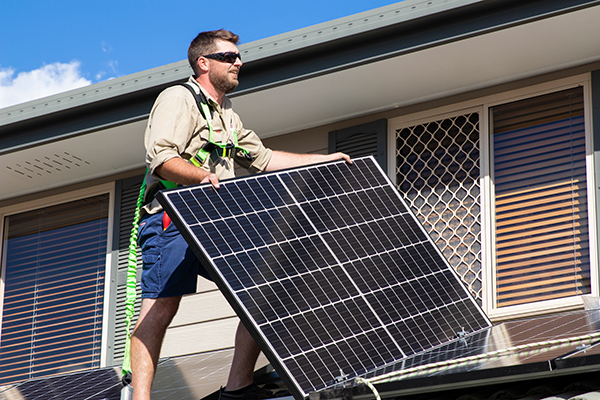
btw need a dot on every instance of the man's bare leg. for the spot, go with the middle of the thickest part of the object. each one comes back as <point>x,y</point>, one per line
<point>244,360</point>
<point>146,341</point>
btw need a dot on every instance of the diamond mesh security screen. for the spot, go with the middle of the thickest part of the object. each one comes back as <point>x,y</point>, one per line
<point>437,169</point>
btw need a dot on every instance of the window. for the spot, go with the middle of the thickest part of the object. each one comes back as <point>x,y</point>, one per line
<point>539,164</point>
<point>53,267</point>
<point>503,188</point>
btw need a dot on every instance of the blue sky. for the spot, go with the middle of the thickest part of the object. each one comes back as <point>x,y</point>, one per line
<point>49,46</point>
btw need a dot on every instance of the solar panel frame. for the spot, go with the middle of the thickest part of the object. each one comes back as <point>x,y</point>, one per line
<point>292,252</point>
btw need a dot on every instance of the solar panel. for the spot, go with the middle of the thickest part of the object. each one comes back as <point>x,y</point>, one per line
<point>97,384</point>
<point>193,377</point>
<point>550,344</point>
<point>327,267</point>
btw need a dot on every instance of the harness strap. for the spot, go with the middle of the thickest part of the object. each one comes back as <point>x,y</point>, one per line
<point>212,149</point>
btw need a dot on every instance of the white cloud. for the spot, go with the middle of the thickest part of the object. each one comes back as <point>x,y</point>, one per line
<point>106,48</point>
<point>48,80</point>
<point>113,64</point>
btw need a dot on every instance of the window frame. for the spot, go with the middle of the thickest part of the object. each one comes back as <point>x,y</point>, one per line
<point>483,105</point>
<point>31,205</point>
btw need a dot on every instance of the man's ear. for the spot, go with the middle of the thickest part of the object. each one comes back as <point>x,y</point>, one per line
<point>202,64</point>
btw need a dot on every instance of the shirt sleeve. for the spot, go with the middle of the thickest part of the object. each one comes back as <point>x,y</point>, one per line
<point>250,141</point>
<point>171,125</point>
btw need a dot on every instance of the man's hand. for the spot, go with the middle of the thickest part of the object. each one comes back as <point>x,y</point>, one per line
<point>182,172</point>
<point>211,178</point>
<point>337,156</point>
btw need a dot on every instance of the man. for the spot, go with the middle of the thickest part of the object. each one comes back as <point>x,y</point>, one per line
<point>176,133</point>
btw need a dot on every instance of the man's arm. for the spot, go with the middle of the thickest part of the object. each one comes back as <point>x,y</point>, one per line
<point>180,171</point>
<point>281,159</point>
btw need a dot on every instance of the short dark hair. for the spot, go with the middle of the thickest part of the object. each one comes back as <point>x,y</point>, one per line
<point>205,43</point>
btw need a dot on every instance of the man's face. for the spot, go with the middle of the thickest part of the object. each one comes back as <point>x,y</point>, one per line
<point>223,75</point>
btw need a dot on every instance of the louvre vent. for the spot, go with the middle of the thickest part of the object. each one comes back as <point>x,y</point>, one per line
<point>47,165</point>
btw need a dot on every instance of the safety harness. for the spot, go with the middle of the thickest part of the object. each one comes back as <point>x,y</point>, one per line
<point>212,150</point>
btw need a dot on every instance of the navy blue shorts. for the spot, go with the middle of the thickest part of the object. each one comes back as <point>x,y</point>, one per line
<point>170,266</point>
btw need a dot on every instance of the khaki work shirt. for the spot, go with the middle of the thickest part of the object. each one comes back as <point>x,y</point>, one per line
<point>177,129</point>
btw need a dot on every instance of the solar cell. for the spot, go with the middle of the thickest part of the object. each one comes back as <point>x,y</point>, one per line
<point>327,267</point>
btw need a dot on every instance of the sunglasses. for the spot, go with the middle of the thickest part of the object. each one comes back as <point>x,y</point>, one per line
<point>228,57</point>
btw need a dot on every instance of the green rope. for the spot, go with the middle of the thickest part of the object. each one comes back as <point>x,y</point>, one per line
<point>130,293</point>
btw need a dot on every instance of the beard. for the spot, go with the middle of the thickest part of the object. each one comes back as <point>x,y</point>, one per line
<point>223,82</point>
